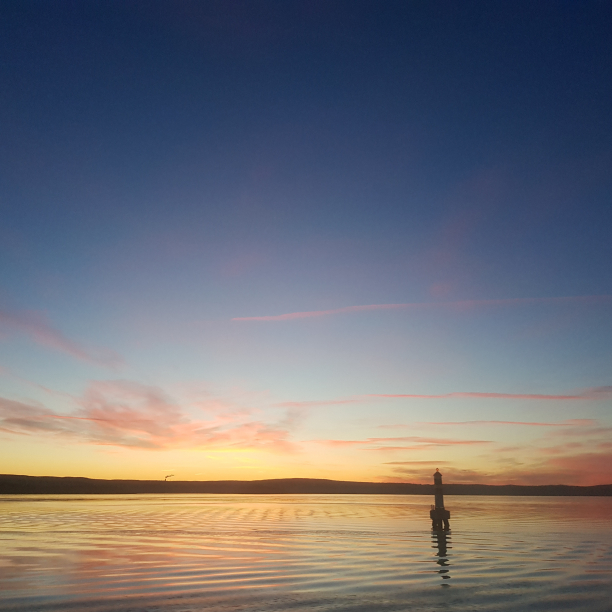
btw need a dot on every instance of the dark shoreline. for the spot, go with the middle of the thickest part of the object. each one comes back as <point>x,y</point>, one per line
<point>42,485</point>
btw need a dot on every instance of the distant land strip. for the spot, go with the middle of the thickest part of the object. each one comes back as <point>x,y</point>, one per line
<point>14,484</point>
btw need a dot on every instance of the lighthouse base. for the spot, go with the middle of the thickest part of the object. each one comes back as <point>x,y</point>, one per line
<point>439,519</point>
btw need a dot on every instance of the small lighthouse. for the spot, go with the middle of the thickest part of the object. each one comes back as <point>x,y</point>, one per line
<point>438,513</point>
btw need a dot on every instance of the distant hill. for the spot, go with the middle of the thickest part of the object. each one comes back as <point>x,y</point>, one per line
<point>18,484</point>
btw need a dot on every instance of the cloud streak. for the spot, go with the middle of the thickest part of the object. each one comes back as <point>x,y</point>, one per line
<point>578,452</point>
<point>569,468</point>
<point>595,393</point>
<point>419,443</point>
<point>592,394</point>
<point>568,423</point>
<point>35,326</point>
<point>458,305</point>
<point>420,462</point>
<point>127,414</point>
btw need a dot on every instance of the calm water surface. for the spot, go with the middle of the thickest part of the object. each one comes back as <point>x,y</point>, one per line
<point>303,552</point>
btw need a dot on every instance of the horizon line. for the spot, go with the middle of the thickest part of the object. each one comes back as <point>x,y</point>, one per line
<point>369,482</point>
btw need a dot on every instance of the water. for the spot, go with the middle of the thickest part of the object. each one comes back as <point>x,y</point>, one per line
<point>276,553</point>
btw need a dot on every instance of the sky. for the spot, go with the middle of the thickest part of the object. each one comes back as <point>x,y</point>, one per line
<point>356,240</point>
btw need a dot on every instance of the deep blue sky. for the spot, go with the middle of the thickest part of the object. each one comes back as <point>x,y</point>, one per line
<point>166,167</point>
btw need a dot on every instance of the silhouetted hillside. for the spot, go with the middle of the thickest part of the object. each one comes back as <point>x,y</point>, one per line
<point>17,484</point>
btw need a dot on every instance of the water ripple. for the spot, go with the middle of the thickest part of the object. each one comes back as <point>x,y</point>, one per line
<point>311,552</point>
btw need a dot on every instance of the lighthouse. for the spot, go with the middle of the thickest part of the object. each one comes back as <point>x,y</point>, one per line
<point>438,514</point>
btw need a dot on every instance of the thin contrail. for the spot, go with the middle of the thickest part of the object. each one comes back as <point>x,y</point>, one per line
<point>459,305</point>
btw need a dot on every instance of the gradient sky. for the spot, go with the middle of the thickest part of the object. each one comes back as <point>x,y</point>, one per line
<point>350,240</point>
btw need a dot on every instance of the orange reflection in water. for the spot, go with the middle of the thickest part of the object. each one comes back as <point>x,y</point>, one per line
<point>102,548</point>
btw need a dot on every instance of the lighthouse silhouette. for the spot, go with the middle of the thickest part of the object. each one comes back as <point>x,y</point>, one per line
<point>438,514</point>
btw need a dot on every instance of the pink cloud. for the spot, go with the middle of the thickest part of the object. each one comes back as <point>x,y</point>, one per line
<point>596,393</point>
<point>429,446</point>
<point>321,313</point>
<point>315,403</point>
<point>22,418</point>
<point>458,305</point>
<point>593,394</point>
<point>417,475</point>
<point>35,326</point>
<point>572,456</point>
<point>583,469</point>
<point>123,413</point>
<point>568,423</point>
<point>421,442</point>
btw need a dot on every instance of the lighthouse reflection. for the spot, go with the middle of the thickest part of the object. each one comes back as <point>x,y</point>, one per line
<point>441,540</point>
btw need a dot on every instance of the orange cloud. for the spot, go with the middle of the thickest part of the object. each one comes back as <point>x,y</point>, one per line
<point>586,468</point>
<point>416,463</point>
<point>580,459</point>
<point>451,475</point>
<point>459,305</point>
<point>122,413</point>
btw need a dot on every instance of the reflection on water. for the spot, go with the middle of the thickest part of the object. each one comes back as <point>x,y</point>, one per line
<point>441,540</point>
<point>310,552</point>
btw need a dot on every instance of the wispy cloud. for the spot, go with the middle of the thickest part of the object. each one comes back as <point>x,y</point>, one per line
<point>316,403</point>
<point>35,326</point>
<point>595,393</point>
<point>417,474</point>
<point>123,413</point>
<point>418,442</point>
<point>432,462</point>
<point>570,468</point>
<point>588,468</point>
<point>579,452</point>
<point>567,423</point>
<point>457,305</point>
<point>592,394</point>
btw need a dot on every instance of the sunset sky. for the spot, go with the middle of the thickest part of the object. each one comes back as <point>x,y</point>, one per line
<point>329,239</point>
